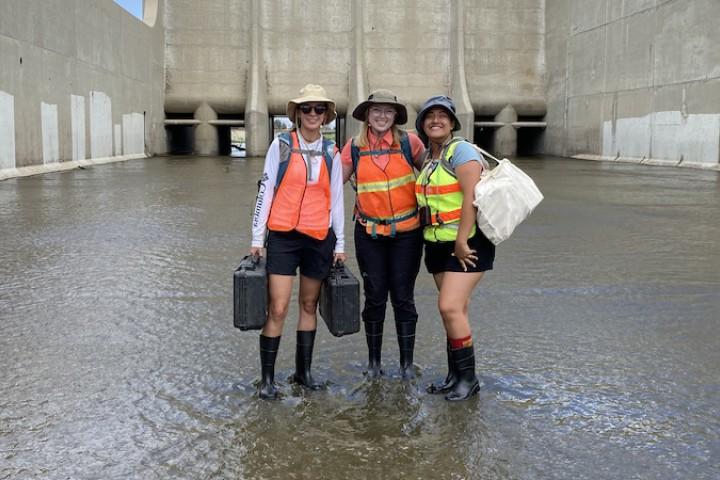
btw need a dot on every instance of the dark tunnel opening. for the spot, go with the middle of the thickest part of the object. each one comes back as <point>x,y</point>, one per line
<point>231,134</point>
<point>530,141</point>
<point>180,137</point>
<point>484,138</point>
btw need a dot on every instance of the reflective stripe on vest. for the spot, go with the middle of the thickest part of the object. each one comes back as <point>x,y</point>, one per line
<point>438,189</point>
<point>298,204</point>
<point>386,197</point>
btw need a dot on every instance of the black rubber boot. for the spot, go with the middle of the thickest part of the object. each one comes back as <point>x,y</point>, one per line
<point>444,386</point>
<point>406,342</point>
<point>303,360</point>
<point>373,335</point>
<point>467,385</point>
<point>268,353</point>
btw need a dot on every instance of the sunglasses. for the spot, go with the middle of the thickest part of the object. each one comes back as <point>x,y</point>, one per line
<point>319,109</point>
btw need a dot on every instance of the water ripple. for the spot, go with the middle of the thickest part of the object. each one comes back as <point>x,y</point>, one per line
<point>596,338</point>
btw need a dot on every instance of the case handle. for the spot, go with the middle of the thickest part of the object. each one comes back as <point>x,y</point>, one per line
<point>254,261</point>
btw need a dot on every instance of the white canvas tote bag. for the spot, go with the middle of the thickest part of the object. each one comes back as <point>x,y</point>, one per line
<point>505,196</point>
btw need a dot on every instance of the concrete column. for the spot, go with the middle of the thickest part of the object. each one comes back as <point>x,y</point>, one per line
<point>257,119</point>
<point>506,136</point>
<point>206,136</point>
<point>458,86</point>
<point>411,114</point>
<point>358,88</point>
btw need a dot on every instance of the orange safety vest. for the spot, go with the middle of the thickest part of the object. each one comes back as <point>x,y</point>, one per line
<point>386,197</point>
<point>298,205</point>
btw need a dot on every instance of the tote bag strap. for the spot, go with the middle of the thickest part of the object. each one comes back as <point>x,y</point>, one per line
<point>486,154</point>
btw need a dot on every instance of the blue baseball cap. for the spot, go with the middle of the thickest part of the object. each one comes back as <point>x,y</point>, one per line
<point>441,101</point>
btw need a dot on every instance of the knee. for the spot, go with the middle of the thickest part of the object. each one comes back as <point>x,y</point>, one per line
<point>277,312</point>
<point>374,305</point>
<point>403,302</point>
<point>376,297</point>
<point>309,306</point>
<point>405,312</point>
<point>449,310</point>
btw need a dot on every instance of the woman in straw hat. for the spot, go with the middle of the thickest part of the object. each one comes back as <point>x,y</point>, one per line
<point>456,251</point>
<point>388,241</point>
<point>300,204</point>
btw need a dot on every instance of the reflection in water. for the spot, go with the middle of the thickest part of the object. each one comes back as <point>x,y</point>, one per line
<point>597,335</point>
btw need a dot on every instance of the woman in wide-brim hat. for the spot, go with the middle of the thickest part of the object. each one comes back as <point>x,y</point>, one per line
<point>388,242</point>
<point>311,94</point>
<point>456,251</point>
<point>300,205</point>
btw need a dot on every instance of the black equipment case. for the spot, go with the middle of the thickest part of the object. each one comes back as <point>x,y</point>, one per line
<point>340,301</point>
<point>250,294</point>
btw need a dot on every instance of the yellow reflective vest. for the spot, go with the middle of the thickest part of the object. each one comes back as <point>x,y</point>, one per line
<point>438,191</point>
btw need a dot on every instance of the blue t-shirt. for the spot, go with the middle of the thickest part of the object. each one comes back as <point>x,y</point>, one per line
<point>464,153</point>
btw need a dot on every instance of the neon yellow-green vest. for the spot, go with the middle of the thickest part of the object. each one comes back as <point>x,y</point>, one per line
<point>438,189</point>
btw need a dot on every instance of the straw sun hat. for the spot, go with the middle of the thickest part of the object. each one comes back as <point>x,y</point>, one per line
<point>312,93</point>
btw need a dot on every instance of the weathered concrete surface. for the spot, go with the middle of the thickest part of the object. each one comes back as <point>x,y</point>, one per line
<point>634,80</point>
<point>229,54</point>
<point>73,73</point>
<point>628,80</point>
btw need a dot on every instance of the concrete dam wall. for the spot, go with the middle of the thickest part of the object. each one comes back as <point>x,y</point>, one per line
<point>80,79</point>
<point>237,59</point>
<point>634,80</point>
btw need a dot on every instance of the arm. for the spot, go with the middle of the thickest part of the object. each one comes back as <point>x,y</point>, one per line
<point>347,171</point>
<point>337,207</point>
<point>418,150</point>
<point>346,157</point>
<point>266,190</point>
<point>468,176</point>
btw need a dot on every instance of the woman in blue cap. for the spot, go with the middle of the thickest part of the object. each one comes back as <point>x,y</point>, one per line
<point>456,251</point>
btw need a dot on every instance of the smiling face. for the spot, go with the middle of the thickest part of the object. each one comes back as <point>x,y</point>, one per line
<point>312,115</point>
<point>438,124</point>
<point>381,117</point>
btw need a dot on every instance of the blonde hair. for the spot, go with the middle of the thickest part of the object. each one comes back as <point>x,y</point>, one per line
<point>362,139</point>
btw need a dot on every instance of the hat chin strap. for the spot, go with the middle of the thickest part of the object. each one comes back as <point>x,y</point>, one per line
<point>309,135</point>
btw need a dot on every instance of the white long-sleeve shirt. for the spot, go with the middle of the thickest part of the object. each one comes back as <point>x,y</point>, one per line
<point>269,182</point>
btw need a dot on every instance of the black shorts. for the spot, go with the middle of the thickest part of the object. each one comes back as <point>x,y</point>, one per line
<point>439,257</point>
<point>286,251</point>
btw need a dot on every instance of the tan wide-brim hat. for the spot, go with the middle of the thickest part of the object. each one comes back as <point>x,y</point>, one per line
<point>312,93</point>
<point>385,97</point>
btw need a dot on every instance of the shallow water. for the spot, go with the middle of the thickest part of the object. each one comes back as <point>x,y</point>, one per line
<point>597,336</point>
